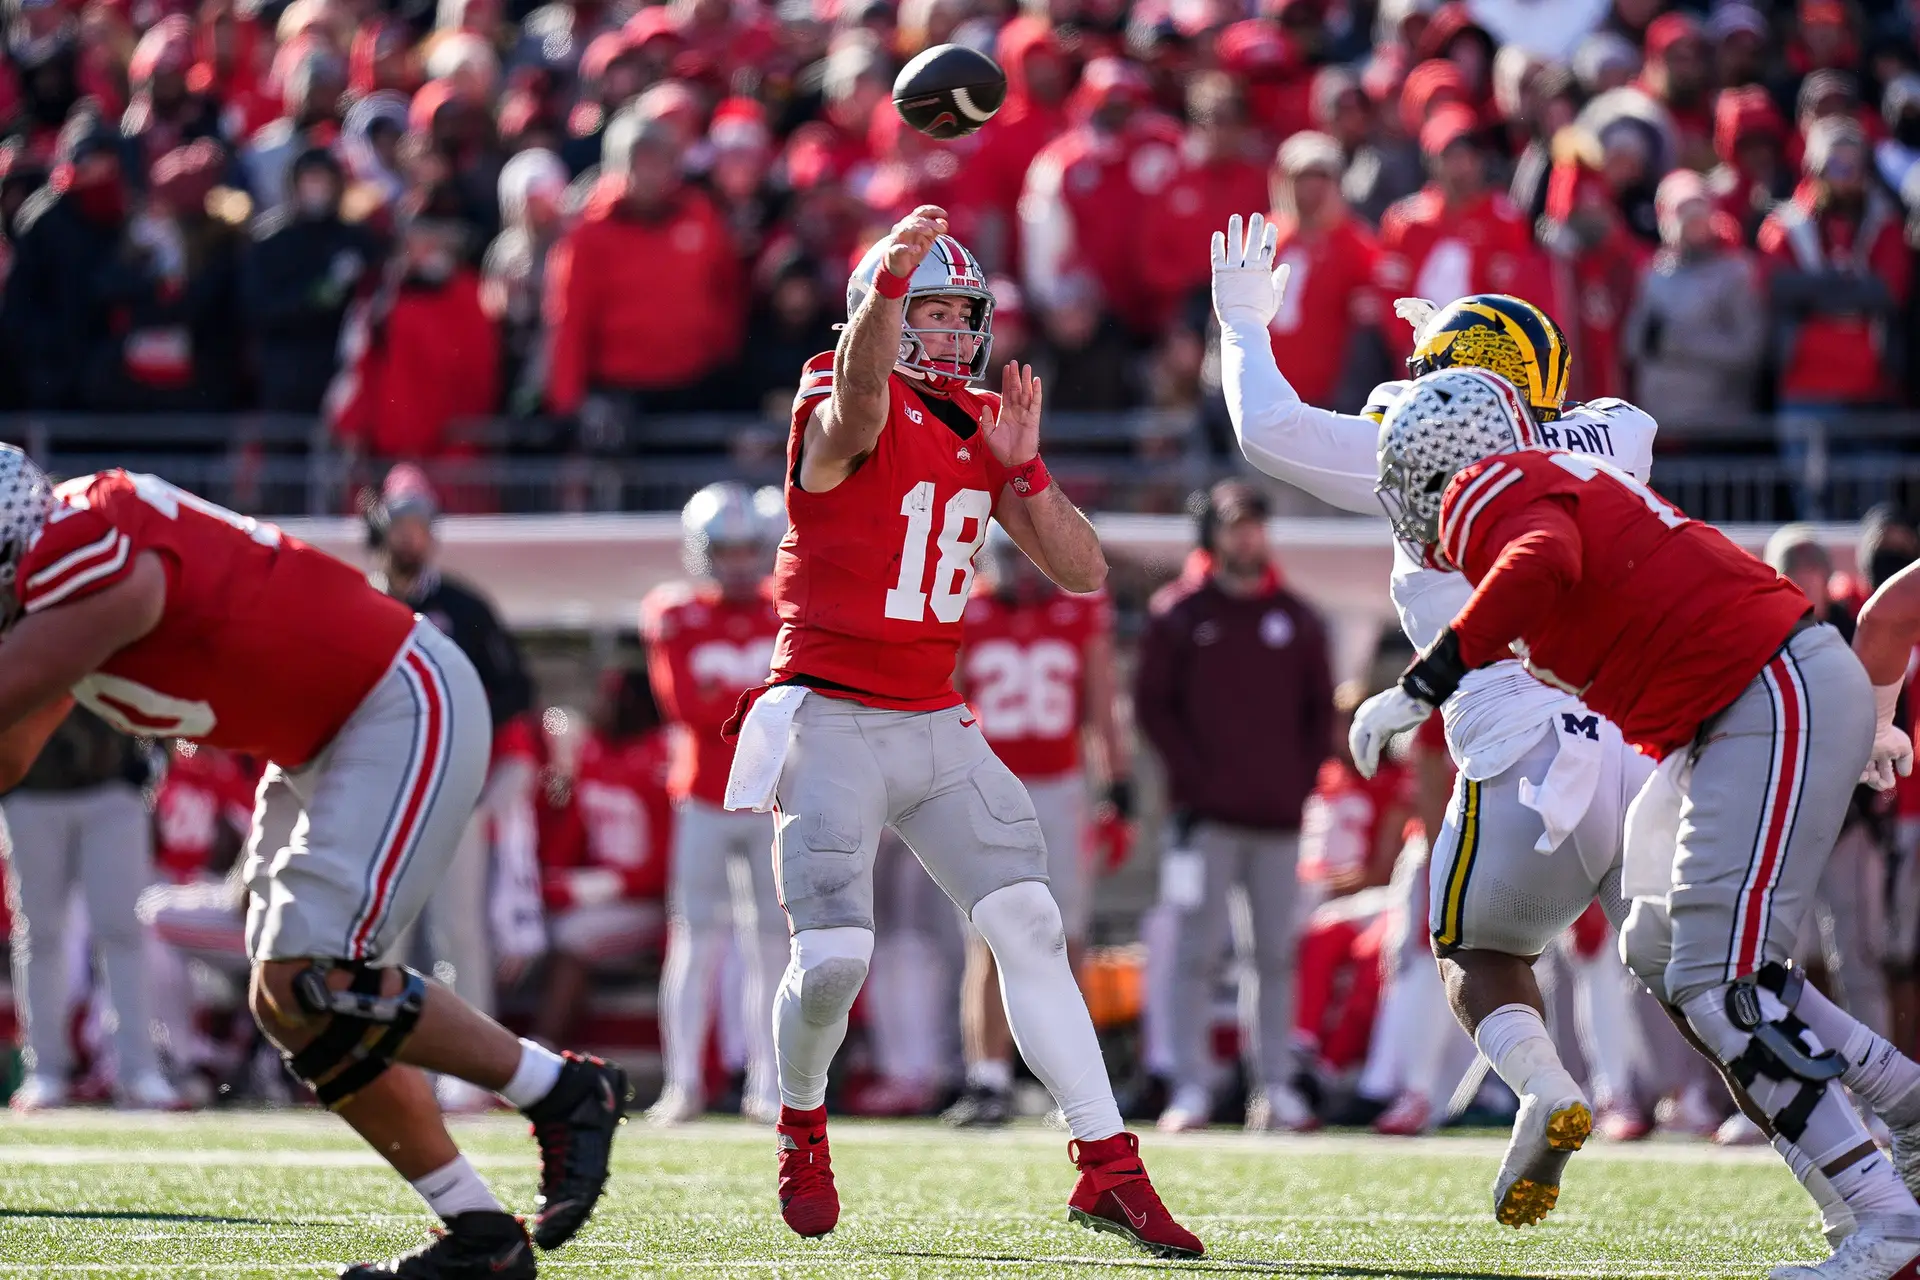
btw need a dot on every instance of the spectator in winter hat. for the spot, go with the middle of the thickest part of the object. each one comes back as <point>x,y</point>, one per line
<point>44,59</point>
<point>1679,76</point>
<point>49,330</point>
<point>370,143</point>
<point>1454,35</point>
<point>1598,184</point>
<point>739,172</point>
<point>1823,95</point>
<point>1896,156</point>
<point>1430,86</point>
<point>163,113</point>
<point>1739,35</point>
<point>1379,167</point>
<point>1550,101</point>
<point>1821,38</point>
<point>1222,171</point>
<point>1605,60</point>
<point>613,72</point>
<point>382,60</point>
<point>1749,137</point>
<point>313,88</point>
<point>468,63</point>
<point>676,106</point>
<point>513,273</point>
<point>304,268</point>
<point>1696,332</point>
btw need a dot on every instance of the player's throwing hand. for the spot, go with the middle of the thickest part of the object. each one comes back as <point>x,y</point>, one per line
<point>1244,277</point>
<point>1014,433</point>
<point>912,237</point>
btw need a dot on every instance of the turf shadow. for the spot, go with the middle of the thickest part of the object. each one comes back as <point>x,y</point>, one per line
<point>1231,1266</point>
<point>137,1215</point>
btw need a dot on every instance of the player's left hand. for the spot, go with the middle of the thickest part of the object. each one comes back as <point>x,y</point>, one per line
<point>1244,277</point>
<point>1014,433</point>
<point>1377,720</point>
<point>1415,311</point>
<point>1892,758</point>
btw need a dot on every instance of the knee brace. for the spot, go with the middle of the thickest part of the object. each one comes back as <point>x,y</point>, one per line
<point>1750,1025</point>
<point>828,968</point>
<point>363,1032</point>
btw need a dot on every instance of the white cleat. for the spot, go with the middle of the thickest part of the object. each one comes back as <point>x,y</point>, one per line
<point>39,1093</point>
<point>1190,1111</point>
<point>1546,1133</point>
<point>149,1091</point>
<point>1280,1109</point>
<point>676,1105</point>
<point>1871,1253</point>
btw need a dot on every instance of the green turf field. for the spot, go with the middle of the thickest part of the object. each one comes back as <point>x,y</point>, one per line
<point>273,1195</point>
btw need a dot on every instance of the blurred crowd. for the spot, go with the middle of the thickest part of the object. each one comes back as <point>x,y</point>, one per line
<point>1247,914</point>
<point>413,217</point>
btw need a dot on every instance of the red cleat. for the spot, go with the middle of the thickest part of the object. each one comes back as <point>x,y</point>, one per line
<point>808,1202</point>
<point>1113,1194</point>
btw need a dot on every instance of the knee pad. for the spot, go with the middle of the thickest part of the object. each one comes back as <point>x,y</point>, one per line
<point>829,967</point>
<point>1021,920</point>
<point>1751,1027</point>
<point>1646,944</point>
<point>363,1031</point>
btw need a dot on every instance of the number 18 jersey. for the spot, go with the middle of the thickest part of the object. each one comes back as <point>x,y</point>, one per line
<point>874,575</point>
<point>266,646</point>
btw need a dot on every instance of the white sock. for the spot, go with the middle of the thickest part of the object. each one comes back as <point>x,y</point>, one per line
<point>455,1189</point>
<point>1878,1072</point>
<point>995,1074</point>
<point>694,956</point>
<point>1515,1041</point>
<point>1836,1219</point>
<point>534,1078</point>
<point>810,1009</point>
<point>1049,1016</point>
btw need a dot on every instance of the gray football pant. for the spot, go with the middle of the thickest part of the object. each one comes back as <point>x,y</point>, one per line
<point>1264,866</point>
<point>98,840</point>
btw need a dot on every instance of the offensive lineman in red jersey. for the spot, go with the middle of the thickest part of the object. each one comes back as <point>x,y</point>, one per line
<point>168,615</point>
<point>1762,720</point>
<point>894,467</point>
<point>707,642</point>
<point>1038,669</point>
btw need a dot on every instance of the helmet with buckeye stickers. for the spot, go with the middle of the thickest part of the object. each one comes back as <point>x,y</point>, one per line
<point>26,500</point>
<point>1444,423</point>
<point>1505,335</point>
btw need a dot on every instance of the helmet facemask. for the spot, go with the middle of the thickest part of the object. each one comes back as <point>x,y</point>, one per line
<point>971,344</point>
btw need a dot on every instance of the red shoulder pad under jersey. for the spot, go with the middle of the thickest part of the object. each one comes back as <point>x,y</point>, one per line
<point>1481,497</point>
<point>82,548</point>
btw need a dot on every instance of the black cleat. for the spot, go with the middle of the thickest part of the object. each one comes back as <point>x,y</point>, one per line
<point>473,1246</point>
<point>574,1126</point>
<point>979,1108</point>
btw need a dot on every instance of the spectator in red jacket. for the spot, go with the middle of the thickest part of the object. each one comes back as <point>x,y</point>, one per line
<point>1679,75</point>
<point>1221,173</point>
<point>1458,235</point>
<point>644,296</point>
<point>1749,137</point>
<point>728,38</point>
<point>1837,264</point>
<point>422,356</point>
<point>604,863</point>
<point>163,113</point>
<point>1089,190</point>
<point>1597,263</point>
<point>1325,333</point>
<point>1039,75</point>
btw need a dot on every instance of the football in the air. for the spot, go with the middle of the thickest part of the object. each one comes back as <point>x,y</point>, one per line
<point>949,91</point>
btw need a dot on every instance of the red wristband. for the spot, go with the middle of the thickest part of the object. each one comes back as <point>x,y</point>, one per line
<point>1030,477</point>
<point>889,285</point>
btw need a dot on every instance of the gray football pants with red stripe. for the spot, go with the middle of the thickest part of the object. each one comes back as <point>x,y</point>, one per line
<point>1765,797</point>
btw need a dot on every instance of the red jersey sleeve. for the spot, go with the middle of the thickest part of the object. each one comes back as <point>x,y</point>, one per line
<point>79,552</point>
<point>1513,536</point>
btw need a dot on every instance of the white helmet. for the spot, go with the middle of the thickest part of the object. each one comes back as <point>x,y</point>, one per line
<point>720,515</point>
<point>26,499</point>
<point>1441,425</point>
<point>770,504</point>
<point>948,271</point>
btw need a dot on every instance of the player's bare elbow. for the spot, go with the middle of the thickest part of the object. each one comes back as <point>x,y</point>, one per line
<point>1084,579</point>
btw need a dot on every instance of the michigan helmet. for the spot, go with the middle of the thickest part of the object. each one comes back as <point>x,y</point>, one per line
<point>720,515</point>
<point>948,271</point>
<point>1446,422</point>
<point>26,500</point>
<point>1507,335</point>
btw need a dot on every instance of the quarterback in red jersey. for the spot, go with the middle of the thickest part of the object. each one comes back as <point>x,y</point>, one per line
<point>894,467</point>
<point>1763,722</point>
<point>169,615</point>
<point>1038,670</point>
<point>707,642</point>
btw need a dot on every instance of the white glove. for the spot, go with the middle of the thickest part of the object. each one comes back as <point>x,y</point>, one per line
<point>1377,720</point>
<point>1892,749</point>
<point>1244,277</point>
<point>1416,312</point>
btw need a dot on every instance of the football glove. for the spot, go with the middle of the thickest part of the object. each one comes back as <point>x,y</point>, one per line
<point>1244,277</point>
<point>1416,312</point>
<point>1892,750</point>
<point>1377,720</point>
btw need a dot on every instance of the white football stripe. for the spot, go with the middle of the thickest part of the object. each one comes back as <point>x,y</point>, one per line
<point>964,100</point>
<point>72,558</point>
<point>104,569</point>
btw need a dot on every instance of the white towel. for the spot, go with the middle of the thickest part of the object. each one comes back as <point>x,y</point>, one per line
<point>1562,797</point>
<point>761,751</point>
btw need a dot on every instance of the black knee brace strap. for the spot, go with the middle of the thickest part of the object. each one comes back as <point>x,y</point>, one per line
<point>1776,1049</point>
<point>364,1030</point>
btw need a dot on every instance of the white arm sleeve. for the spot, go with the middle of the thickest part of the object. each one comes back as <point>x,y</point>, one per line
<point>1332,456</point>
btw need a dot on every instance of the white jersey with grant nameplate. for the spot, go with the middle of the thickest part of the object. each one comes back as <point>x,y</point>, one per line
<point>1499,711</point>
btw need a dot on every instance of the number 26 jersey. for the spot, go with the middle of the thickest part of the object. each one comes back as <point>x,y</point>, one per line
<point>266,645</point>
<point>874,575</point>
